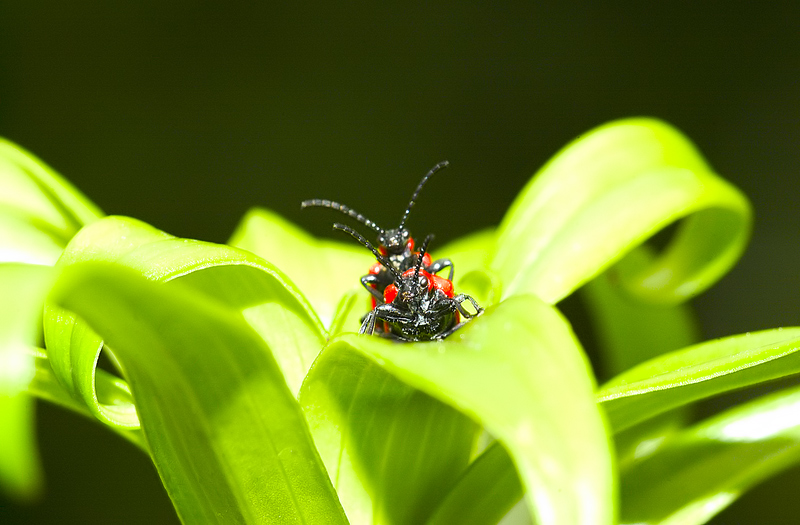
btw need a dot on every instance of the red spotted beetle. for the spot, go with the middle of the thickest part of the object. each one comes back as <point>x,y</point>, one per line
<point>409,299</point>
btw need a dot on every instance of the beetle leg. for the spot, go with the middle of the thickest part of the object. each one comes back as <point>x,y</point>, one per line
<point>456,305</point>
<point>391,313</point>
<point>367,281</point>
<point>368,326</point>
<point>439,265</point>
<point>460,298</point>
<point>384,312</point>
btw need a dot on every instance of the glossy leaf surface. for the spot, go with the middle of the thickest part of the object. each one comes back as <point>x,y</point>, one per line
<point>629,332</point>
<point>216,343</point>
<point>470,258</point>
<point>24,242</point>
<point>269,301</point>
<point>23,289</point>
<point>469,253</point>
<point>699,472</point>
<point>606,193</point>
<point>697,372</point>
<point>484,493</point>
<point>33,192</point>
<point>392,451</point>
<point>226,434</point>
<point>111,390</point>
<point>518,371</point>
<point>324,270</point>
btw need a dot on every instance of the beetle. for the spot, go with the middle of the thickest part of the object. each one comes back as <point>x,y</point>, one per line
<point>418,305</point>
<point>395,245</point>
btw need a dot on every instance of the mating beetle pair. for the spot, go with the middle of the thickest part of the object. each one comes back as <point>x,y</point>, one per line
<point>409,299</point>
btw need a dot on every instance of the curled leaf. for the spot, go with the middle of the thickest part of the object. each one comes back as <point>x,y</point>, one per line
<point>244,281</point>
<point>518,371</point>
<point>700,471</point>
<point>324,270</point>
<point>606,193</point>
<point>23,288</point>
<point>697,372</point>
<point>225,432</point>
<point>34,193</point>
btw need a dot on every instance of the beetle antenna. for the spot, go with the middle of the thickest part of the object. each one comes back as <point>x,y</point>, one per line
<point>422,253</point>
<point>324,203</point>
<point>378,255</point>
<point>427,176</point>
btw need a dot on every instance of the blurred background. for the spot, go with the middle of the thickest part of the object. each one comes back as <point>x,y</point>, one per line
<point>186,114</point>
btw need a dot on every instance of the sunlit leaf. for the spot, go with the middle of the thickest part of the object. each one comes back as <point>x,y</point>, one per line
<point>701,471</point>
<point>216,343</point>
<point>22,242</point>
<point>606,193</point>
<point>349,312</point>
<point>111,390</point>
<point>518,371</point>
<point>226,434</point>
<point>32,191</point>
<point>698,372</point>
<point>484,493</point>
<point>392,451</point>
<point>268,300</point>
<point>629,332</point>
<point>470,257</point>
<point>469,253</point>
<point>23,288</point>
<point>324,270</point>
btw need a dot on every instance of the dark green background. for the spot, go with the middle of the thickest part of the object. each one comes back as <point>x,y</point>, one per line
<point>187,114</point>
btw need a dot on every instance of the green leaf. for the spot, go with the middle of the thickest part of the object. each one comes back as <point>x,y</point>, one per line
<point>485,492</point>
<point>702,470</point>
<point>324,270</point>
<point>606,193</point>
<point>700,371</point>
<point>23,290</point>
<point>349,312</point>
<point>226,434</point>
<point>470,257</point>
<point>32,191</point>
<point>630,331</point>
<point>469,253</point>
<point>392,451</point>
<point>22,242</point>
<point>519,371</point>
<point>268,300</point>
<point>111,390</point>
